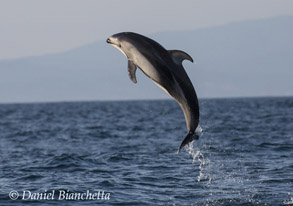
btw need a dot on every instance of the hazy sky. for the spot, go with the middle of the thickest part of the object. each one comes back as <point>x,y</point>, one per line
<point>35,27</point>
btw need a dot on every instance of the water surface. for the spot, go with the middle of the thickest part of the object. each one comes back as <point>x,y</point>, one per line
<point>129,149</point>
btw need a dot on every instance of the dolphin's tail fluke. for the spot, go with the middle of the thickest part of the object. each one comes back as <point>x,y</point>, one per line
<point>189,138</point>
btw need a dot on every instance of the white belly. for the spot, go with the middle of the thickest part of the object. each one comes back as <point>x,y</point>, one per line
<point>146,66</point>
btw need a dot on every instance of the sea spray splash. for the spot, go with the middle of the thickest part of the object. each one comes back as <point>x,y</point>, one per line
<point>288,202</point>
<point>197,155</point>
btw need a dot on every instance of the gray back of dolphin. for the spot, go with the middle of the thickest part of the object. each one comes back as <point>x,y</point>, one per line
<point>165,68</point>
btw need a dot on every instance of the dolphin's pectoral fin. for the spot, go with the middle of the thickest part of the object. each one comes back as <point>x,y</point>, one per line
<point>178,56</point>
<point>189,138</point>
<point>131,71</point>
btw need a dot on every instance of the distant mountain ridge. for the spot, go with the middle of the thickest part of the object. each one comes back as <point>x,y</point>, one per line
<point>253,58</point>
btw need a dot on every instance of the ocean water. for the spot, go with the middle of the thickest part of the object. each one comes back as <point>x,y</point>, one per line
<point>125,153</point>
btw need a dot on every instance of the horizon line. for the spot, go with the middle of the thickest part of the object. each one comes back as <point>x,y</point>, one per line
<point>137,100</point>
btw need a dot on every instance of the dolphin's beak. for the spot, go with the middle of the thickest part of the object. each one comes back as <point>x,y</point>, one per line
<point>113,42</point>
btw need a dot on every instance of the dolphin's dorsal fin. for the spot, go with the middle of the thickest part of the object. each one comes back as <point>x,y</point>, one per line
<point>178,56</point>
<point>131,71</point>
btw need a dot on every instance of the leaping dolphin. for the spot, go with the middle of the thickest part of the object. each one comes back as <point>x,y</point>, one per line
<point>165,68</point>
